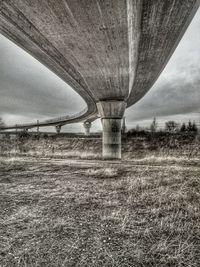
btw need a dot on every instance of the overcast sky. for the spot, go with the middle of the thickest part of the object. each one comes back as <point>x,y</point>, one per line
<point>29,91</point>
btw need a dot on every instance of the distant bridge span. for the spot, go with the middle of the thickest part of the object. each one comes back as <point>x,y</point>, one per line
<point>78,117</point>
<point>109,51</point>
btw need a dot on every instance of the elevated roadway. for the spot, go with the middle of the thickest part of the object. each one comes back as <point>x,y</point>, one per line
<point>109,51</point>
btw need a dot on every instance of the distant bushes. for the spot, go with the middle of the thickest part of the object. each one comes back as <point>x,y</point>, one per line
<point>171,127</point>
<point>137,142</point>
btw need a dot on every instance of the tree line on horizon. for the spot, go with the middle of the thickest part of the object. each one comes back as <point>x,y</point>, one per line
<point>170,127</point>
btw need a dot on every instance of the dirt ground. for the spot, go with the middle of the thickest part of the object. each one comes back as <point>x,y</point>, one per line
<point>78,212</point>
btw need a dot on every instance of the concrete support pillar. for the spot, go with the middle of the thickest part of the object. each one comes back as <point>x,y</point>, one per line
<point>87,125</point>
<point>111,113</point>
<point>58,128</point>
<point>38,126</point>
<point>111,138</point>
<point>124,126</point>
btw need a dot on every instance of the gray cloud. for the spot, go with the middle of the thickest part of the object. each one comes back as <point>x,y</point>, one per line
<point>28,90</point>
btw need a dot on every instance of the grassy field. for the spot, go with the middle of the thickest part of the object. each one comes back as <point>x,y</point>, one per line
<point>76,212</point>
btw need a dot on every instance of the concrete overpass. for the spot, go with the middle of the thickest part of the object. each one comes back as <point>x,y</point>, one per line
<point>109,51</point>
<point>57,122</point>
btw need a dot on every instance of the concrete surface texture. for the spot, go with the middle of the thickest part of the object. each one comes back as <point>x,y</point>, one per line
<point>107,50</point>
<point>111,113</point>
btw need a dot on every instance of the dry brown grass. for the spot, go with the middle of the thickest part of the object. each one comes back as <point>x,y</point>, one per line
<point>84,213</point>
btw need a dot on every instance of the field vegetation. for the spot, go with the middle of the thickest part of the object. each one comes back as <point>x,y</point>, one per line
<point>59,208</point>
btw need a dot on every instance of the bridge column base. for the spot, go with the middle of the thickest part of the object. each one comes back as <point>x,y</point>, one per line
<point>111,113</point>
<point>87,126</point>
<point>58,128</point>
<point>111,138</point>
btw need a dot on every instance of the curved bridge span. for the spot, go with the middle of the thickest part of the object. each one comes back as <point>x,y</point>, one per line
<point>68,119</point>
<point>109,51</point>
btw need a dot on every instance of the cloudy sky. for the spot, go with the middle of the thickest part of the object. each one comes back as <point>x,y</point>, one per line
<point>29,91</point>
